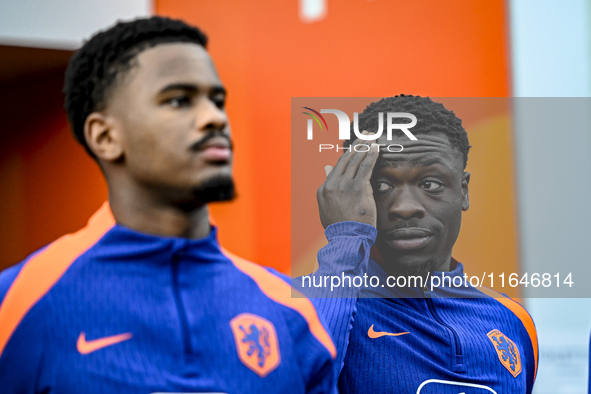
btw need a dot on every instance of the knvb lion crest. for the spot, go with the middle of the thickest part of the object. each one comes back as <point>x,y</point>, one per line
<point>256,342</point>
<point>507,351</point>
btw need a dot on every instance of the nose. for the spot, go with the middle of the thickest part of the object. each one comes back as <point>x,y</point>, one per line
<point>210,117</point>
<point>405,205</point>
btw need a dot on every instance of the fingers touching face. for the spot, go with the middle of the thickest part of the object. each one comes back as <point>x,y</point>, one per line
<point>355,158</point>
<point>346,194</point>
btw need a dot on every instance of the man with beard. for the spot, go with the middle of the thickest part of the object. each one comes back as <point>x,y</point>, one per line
<point>398,215</point>
<point>144,299</point>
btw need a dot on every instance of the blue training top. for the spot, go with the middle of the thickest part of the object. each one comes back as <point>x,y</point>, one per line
<point>444,340</point>
<point>111,310</point>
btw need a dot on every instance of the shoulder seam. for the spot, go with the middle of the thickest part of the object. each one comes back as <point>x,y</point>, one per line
<point>274,290</point>
<point>43,270</point>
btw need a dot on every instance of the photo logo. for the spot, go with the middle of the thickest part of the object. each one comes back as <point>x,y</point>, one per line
<point>344,123</point>
<point>310,124</point>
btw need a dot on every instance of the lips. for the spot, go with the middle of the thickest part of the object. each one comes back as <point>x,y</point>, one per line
<point>408,238</point>
<point>216,149</point>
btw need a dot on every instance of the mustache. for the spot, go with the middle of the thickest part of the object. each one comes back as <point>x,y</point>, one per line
<point>199,144</point>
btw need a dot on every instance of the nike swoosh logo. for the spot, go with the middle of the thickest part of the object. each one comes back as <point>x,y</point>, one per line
<point>86,347</point>
<point>372,334</point>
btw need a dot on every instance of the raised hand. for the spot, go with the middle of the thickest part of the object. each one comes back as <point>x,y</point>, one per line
<point>346,194</point>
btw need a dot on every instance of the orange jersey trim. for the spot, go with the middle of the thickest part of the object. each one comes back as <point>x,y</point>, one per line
<point>277,290</point>
<point>522,314</point>
<point>43,270</point>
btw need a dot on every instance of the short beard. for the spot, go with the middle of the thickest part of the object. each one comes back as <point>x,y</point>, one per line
<point>414,269</point>
<point>393,265</point>
<point>216,189</point>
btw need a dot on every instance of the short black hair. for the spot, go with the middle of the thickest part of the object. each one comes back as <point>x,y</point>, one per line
<point>431,117</point>
<point>105,58</point>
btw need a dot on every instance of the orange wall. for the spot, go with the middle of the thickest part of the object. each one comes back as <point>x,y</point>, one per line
<point>266,55</point>
<point>48,185</point>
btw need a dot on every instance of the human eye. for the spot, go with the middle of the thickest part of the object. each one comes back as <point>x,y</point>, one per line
<point>431,185</point>
<point>181,101</point>
<point>381,186</point>
<point>219,101</point>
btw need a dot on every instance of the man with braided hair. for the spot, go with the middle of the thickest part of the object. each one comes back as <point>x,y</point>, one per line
<point>144,299</point>
<point>398,215</point>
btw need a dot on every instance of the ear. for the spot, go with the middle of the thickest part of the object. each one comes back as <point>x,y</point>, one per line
<point>103,136</point>
<point>465,191</point>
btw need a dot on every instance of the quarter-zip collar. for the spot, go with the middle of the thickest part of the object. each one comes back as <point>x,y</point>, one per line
<point>374,269</point>
<point>122,242</point>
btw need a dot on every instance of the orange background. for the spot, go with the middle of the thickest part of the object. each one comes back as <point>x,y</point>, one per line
<point>265,55</point>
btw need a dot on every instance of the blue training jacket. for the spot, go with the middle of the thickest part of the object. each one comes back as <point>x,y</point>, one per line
<point>111,310</point>
<point>447,341</point>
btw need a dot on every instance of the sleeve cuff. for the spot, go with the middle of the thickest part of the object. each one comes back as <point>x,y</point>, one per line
<point>351,229</point>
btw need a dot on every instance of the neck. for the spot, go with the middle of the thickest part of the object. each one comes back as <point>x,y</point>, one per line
<point>140,211</point>
<point>392,266</point>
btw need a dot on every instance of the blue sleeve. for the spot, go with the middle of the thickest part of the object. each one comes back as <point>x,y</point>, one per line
<point>9,274</point>
<point>345,256</point>
<point>21,356</point>
<point>7,277</point>
<point>321,379</point>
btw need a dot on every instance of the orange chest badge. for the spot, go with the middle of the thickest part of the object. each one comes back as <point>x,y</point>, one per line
<point>256,342</point>
<point>507,351</point>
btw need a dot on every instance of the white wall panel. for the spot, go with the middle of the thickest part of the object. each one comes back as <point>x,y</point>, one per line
<point>62,24</point>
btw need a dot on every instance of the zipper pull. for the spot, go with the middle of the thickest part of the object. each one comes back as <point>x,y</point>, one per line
<point>425,290</point>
